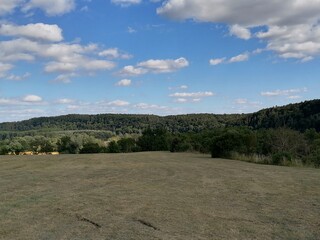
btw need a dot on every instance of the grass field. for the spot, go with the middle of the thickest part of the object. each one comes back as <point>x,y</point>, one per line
<point>155,196</point>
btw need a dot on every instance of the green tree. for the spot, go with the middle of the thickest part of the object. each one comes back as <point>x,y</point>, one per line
<point>154,140</point>
<point>127,145</point>
<point>113,147</point>
<point>91,147</point>
<point>66,144</point>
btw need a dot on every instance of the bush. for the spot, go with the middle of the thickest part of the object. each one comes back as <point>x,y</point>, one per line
<point>4,150</point>
<point>179,144</point>
<point>127,145</point>
<point>91,148</point>
<point>315,159</point>
<point>113,147</point>
<point>281,158</point>
<point>154,140</point>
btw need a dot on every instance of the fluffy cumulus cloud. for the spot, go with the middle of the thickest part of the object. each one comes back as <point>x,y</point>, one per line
<point>22,101</point>
<point>37,31</point>
<point>124,83</point>
<point>126,3</point>
<point>32,98</point>
<point>164,66</point>
<point>65,59</point>
<point>298,41</point>
<point>7,6</point>
<point>217,61</point>
<point>132,71</point>
<point>291,26</point>
<point>155,66</point>
<point>114,53</point>
<point>184,97</point>
<point>243,12</point>
<point>240,32</point>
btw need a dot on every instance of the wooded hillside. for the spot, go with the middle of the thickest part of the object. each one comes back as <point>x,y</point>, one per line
<point>300,116</point>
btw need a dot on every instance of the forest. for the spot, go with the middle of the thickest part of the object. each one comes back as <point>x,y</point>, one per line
<point>287,135</point>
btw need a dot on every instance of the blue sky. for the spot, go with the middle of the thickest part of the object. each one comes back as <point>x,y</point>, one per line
<point>156,57</point>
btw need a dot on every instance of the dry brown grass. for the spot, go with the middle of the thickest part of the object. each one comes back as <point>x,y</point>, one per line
<point>155,196</point>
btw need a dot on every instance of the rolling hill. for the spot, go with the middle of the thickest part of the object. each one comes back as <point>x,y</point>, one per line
<point>299,116</point>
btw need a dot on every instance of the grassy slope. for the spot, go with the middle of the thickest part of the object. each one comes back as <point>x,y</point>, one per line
<point>180,196</point>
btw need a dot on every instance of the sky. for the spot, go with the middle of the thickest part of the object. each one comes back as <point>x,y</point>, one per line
<point>159,57</point>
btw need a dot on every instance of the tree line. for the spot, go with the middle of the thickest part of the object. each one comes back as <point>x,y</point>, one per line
<point>300,117</point>
<point>281,146</point>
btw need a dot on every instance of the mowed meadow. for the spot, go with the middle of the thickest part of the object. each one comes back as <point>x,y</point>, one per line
<point>155,195</point>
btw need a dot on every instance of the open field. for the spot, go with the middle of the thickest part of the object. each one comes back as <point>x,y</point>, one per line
<point>155,196</point>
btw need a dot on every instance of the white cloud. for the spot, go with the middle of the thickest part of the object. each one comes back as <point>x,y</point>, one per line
<point>155,66</point>
<point>217,61</point>
<point>240,32</point>
<point>13,77</point>
<point>243,12</point>
<point>292,25</point>
<point>61,58</point>
<point>244,105</point>
<point>164,66</point>
<point>4,68</point>
<point>51,7</point>
<point>183,87</point>
<point>132,71</point>
<point>181,100</point>
<point>7,6</point>
<point>146,106</point>
<point>131,30</point>
<point>119,103</point>
<point>192,94</point>
<point>298,41</point>
<point>124,83</point>
<point>126,3</point>
<point>64,101</point>
<point>39,31</point>
<point>289,92</point>
<point>8,101</point>
<point>240,58</point>
<point>241,101</point>
<point>64,78</point>
<point>22,109</point>
<point>95,65</point>
<point>60,67</point>
<point>32,98</point>
<point>184,97</point>
<point>114,53</point>
<point>294,97</point>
